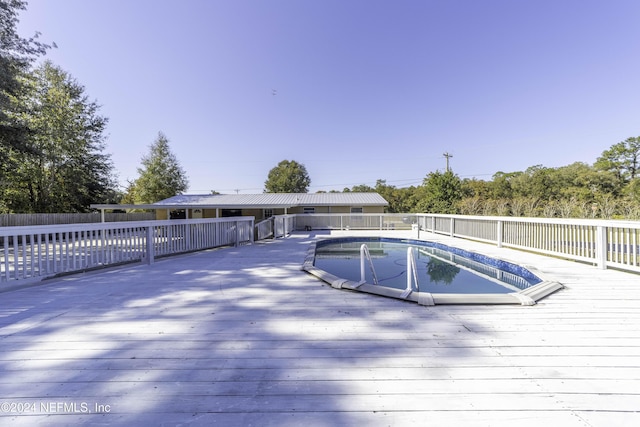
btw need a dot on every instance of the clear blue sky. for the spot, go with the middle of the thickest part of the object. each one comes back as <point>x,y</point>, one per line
<point>364,89</point>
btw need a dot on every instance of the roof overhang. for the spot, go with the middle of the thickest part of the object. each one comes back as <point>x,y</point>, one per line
<point>107,206</point>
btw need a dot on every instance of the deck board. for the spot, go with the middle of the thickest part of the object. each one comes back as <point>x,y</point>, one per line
<point>241,336</point>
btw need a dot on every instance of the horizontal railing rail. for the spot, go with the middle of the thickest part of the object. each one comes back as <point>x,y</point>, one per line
<point>605,243</point>
<point>36,252</point>
<point>22,220</point>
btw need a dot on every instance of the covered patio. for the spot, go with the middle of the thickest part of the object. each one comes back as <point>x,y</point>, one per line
<point>240,336</point>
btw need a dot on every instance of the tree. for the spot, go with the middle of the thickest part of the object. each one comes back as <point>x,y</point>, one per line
<point>501,185</point>
<point>161,175</point>
<point>287,177</point>
<point>622,159</point>
<point>439,193</point>
<point>65,168</point>
<point>16,56</point>
<point>360,188</point>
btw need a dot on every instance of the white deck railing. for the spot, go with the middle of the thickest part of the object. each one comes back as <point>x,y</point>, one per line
<point>264,229</point>
<point>605,243</point>
<point>37,252</point>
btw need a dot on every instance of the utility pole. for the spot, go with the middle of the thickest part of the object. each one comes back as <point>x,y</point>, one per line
<point>447,155</point>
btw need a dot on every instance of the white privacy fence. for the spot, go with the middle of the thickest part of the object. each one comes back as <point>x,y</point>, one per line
<point>38,252</point>
<point>604,243</point>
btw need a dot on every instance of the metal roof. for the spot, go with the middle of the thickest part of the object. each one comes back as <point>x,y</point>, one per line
<point>262,200</point>
<point>275,200</point>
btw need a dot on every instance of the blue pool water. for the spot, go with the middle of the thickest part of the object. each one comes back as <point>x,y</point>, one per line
<point>440,268</point>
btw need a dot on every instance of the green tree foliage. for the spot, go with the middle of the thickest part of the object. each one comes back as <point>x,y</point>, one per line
<point>287,177</point>
<point>64,168</point>
<point>608,189</point>
<point>16,56</point>
<point>439,193</point>
<point>160,176</point>
<point>578,190</point>
<point>396,197</point>
<point>622,159</point>
<point>361,188</point>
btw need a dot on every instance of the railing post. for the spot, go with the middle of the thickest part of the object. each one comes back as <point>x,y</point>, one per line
<point>452,226</point>
<point>237,242</point>
<point>601,246</point>
<point>500,231</point>
<point>150,245</point>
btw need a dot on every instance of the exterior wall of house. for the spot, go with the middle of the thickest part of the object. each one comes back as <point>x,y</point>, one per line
<point>256,213</point>
<point>209,213</point>
<point>337,209</point>
<point>161,214</point>
<point>374,209</point>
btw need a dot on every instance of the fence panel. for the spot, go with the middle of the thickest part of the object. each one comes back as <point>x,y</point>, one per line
<point>476,229</point>
<point>622,249</point>
<point>33,253</point>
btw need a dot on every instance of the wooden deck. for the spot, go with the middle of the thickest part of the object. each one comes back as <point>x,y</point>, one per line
<point>240,336</point>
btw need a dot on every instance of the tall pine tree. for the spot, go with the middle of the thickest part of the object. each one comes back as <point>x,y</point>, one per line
<point>161,175</point>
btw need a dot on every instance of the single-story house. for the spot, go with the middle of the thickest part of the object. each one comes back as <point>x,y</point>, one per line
<point>260,206</point>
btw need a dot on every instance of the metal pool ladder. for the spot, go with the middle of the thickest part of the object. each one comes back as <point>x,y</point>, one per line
<point>365,255</point>
<point>412,273</point>
<point>412,270</point>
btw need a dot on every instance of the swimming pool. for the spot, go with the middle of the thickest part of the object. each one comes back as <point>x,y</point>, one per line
<point>429,273</point>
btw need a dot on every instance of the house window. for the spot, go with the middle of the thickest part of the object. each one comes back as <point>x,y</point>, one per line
<point>267,213</point>
<point>226,213</point>
<point>356,210</point>
<point>309,210</point>
<point>178,214</point>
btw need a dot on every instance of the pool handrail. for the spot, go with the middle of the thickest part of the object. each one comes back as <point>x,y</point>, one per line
<point>365,255</point>
<point>412,274</point>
